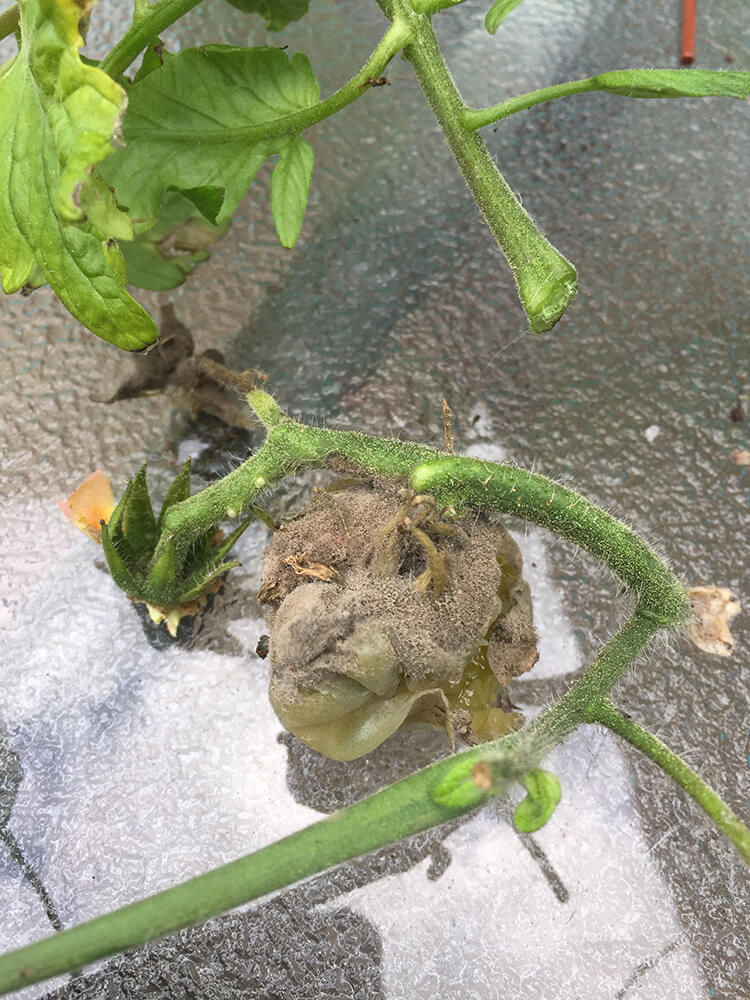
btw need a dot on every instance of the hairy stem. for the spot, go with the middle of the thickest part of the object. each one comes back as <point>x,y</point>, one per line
<point>450,787</point>
<point>402,809</point>
<point>469,482</point>
<point>596,683</point>
<point>391,43</point>
<point>146,28</point>
<point>547,282</point>
<point>454,480</point>
<point>640,83</point>
<point>605,713</point>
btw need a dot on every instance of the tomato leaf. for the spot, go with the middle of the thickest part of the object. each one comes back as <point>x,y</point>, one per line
<point>57,121</point>
<point>277,13</point>
<point>164,255</point>
<point>290,186</point>
<point>675,83</point>
<point>200,123</point>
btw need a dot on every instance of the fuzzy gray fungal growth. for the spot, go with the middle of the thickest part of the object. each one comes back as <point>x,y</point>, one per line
<point>381,610</point>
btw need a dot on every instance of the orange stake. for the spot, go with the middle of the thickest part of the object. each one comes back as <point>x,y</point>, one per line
<point>687,55</point>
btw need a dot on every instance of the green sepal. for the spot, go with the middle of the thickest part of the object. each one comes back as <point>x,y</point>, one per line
<point>138,521</point>
<point>543,795</point>
<point>115,518</point>
<point>203,550</point>
<point>200,587</point>
<point>161,583</point>
<point>120,572</point>
<point>177,492</point>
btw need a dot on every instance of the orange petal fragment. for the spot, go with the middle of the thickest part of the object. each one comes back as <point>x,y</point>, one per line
<point>713,609</point>
<point>90,504</point>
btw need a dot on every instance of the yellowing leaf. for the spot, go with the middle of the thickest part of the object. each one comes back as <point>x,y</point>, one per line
<point>57,121</point>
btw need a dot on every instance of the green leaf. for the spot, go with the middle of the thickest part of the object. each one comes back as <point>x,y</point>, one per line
<point>277,13</point>
<point>166,253</point>
<point>57,119</point>
<point>153,58</point>
<point>290,186</point>
<point>202,122</point>
<point>675,83</point>
<point>543,794</point>
<point>498,12</point>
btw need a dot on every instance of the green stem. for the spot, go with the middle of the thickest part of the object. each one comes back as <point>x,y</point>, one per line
<point>547,282</point>
<point>443,790</point>
<point>433,6</point>
<point>398,811</point>
<point>596,683</point>
<point>288,447</point>
<point>141,10</point>
<point>9,20</point>
<point>639,83</point>
<point>477,118</point>
<point>469,482</point>
<point>605,713</point>
<point>455,480</point>
<point>146,28</point>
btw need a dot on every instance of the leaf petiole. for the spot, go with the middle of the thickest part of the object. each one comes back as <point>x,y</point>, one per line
<point>644,83</point>
<point>146,27</point>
